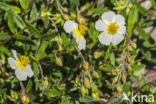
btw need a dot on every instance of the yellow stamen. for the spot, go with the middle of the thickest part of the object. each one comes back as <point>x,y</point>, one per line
<point>20,65</point>
<point>112,28</point>
<point>82,29</point>
<point>78,34</point>
<point>24,60</point>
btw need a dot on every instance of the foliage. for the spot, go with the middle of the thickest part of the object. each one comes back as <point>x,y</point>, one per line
<point>62,73</point>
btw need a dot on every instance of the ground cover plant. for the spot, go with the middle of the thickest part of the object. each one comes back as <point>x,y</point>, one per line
<point>77,51</point>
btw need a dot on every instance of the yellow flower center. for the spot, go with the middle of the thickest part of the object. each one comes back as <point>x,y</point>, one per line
<point>82,28</point>
<point>80,31</point>
<point>112,28</point>
<point>78,34</point>
<point>24,60</point>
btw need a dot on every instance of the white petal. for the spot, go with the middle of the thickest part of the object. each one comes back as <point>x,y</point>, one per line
<point>12,63</point>
<point>21,76</point>
<point>120,20</point>
<point>14,54</point>
<point>81,43</point>
<point>100,25</point>
<point>69,26</point>
<point>104,38</point>
<point>117,38</point>
<point>74,34</point>
<point>122,30</point>
<point>108,17</point>
<point>28,71</point>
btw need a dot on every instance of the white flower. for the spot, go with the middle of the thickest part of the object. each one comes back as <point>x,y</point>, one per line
<point>113,28</point>
<point>21,66</point>
<point>72,27</point>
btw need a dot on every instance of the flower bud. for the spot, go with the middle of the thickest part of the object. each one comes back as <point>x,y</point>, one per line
<point>87,83</point>
<point>25,99</point>
<point>130,5</point>
<point>95,74</point>
<point>97,54</point>
<point>115,71</point>
<point>86,72</point>
<point>95,95</point>
<point>115,80</point>
<point>3,61</point>
<point>129,58</point>
<point>133,45</point>
<point>85,65</point>
<point>94,88</point>
<point>66,17</point>
<point>129,68</point>
<point>14,95</point>
<point>45,82</point>
<point>127,11</point>
<point>60,48</point>
<point>84,91</point>
<point>119,88</point>
<point>60,40</point>
<point>124,79</point>
<point>73,15</point>
<point>81,20</point>
<point>58,61</point>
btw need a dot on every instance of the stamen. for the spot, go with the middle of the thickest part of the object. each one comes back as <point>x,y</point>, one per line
<point>112,28</point>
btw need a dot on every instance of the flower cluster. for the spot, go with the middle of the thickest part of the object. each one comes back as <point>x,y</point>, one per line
<point>112,27</point>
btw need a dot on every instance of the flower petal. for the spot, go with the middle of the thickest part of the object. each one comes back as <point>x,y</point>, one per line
<point>120,20</point>
<point>117,38</point>
<point>100,25</point>
<point>108,17</point>
<point>121,30</point>
<point>12,63</point>
<point>14,54</point>
<point>28,71</point>
<point>21,76</point>
<point>69,26</point>
<point>104,38</point>
<point>81,43</point>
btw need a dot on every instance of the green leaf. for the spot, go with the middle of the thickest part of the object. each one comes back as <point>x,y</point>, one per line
<point>106,67</point>
<point>112,59</point>
<point>51,92</point>
<point>137,67</point>
<point>86,99</point>
<point>11,22</point>
<point>147,55</point>
<point>117,100</point>
<point>4,36</point>
<point>65,39</point>
<point>24,3</point>
<point>35,67</point>
<point>16,18</point>
<point>46,21</point>
<point>51,33</point>
<point>33,29</point>
<point>33,13</point>
<point>41,50</point>
<point>126,87</point>
<point>29,86</point>
<point>132,19</point>
<point>140,8</point>
<point>143,35</point>
<point>143,81</point>
<point>99,11</point>
<point>6,7</point>
<point>147,24</point>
